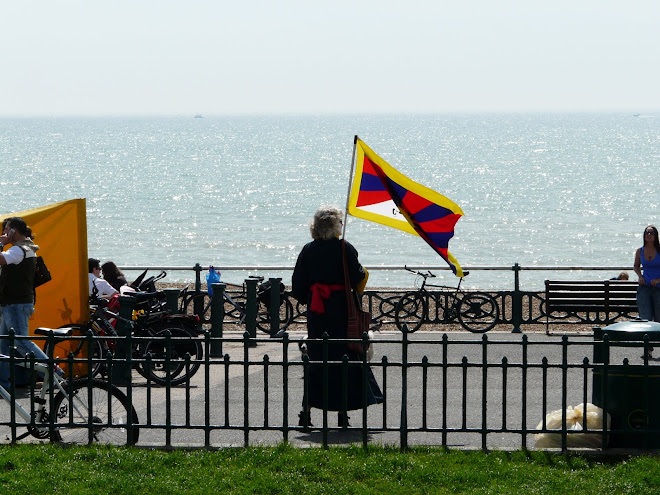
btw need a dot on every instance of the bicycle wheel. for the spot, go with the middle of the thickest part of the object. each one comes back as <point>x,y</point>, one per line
<point>478,312</point>
<point>235,310</point>
<point>410,310</point>
<point>108,409</point>
<point>182,343</point>
<point>80,350</point>
<point>286,316</point>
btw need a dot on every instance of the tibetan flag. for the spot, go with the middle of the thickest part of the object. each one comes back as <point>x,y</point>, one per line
<point>381,194</point>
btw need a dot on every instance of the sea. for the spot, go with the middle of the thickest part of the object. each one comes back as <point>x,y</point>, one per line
<point>544,191</point>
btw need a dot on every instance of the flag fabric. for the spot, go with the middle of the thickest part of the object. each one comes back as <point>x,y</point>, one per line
<point>382,194</point>
<point>61,233</point>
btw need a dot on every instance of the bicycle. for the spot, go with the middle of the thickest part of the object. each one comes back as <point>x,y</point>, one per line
<point>151,339</point>
<point>477,312</point>
<point>78,406</point>
<point>199,303</point>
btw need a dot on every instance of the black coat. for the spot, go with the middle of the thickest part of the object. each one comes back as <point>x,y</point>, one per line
<point>321,261</point>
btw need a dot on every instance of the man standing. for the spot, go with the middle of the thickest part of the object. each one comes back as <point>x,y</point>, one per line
<point>17,265</point>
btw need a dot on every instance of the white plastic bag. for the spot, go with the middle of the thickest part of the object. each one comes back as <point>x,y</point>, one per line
<point>575,421</point>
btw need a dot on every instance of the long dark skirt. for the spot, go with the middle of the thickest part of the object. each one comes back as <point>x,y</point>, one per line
<point>350,385</point>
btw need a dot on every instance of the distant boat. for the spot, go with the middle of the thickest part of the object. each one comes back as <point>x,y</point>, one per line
<point>636,114</point>
<point>199,116</point>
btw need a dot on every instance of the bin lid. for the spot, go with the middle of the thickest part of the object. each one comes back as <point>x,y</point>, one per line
<point>633,330</point>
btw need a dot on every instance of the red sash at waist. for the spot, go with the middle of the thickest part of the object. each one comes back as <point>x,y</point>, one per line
<point>320,292</point>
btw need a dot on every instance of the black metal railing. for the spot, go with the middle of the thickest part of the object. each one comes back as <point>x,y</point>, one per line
<point>454,390</point>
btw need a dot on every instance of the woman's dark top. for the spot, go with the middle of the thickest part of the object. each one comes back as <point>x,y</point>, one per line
<point>117,283</point>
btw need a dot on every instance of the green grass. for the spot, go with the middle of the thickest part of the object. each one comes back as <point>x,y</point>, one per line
<point>45,469</point>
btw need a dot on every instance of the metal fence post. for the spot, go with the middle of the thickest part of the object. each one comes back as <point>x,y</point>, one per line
<point>198,302</point>
<point>217,318</point>
<point>172,299</point>
<point>274,306</point>
<point>121,371</point>
<point>198,277</point>
<point>516,303</point>
<point>251,310</point>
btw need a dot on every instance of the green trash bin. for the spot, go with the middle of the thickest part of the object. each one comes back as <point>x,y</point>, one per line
<point>628,392</point>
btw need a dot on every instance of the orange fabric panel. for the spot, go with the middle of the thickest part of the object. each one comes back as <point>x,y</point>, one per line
<point>60,231</point>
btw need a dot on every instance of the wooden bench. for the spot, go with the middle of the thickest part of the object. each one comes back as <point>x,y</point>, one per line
<point>599,302</point>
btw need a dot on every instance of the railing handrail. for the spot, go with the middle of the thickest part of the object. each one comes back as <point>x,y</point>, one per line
<point>385,268</point>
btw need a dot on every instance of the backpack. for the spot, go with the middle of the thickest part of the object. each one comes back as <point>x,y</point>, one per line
<point>41,273</point>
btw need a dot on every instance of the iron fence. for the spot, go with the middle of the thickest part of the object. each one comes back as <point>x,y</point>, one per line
<point>455,390</point>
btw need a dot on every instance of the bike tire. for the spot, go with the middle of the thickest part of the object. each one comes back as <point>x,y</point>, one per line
<point>478,312</point>
<point>109,410</point>
<point>99,350</point>
<point>158,369</point>
<point>286,316</point>
<point>411,310</point>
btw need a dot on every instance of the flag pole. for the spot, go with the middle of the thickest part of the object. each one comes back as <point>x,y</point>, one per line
<point>350,183</point>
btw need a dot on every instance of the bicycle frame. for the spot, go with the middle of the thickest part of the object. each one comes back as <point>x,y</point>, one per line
<point>40,408</point>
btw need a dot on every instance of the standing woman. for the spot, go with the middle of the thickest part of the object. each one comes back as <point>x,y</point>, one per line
<point>647,268</point>
<point>318,281</point>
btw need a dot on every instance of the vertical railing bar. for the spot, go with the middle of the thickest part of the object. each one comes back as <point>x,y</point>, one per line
<point>425,372</point>
<point>403,434</point>
<point>285,387</point>
<point>464,363</point>
<point>445,369</point>
<point>207,389</point>
<point>525,343</point>
<point>384,361</point>
<point>484,392</point>
<point>168,389</point>
<point>226,368</point>
<point>246,396</point>
<point>564,391</point>
<point>266,361</point>
<point>505,363</point>
<point>325,390</point>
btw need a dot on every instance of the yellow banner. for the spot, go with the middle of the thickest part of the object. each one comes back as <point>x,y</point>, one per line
<point>60,231</point>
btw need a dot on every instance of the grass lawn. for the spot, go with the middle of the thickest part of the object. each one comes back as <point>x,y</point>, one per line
<point>28,469</point>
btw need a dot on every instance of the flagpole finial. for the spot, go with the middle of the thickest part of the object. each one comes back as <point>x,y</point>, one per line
<point>355,139</point>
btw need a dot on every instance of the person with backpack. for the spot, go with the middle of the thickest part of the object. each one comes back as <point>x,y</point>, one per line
<point>18,265</point>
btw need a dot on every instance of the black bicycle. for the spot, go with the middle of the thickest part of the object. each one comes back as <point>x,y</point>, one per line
<point>168,355</point>
<point>235,305</point>
<point>477,312</point>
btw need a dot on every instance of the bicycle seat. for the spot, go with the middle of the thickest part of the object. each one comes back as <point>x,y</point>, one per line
<point>58,332</point>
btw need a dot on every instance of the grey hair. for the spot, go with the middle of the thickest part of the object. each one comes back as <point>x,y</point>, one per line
<point>327,223</point>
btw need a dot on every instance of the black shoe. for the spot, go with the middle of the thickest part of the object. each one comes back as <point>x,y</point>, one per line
<point>305,420</point>
<point>341,417</point>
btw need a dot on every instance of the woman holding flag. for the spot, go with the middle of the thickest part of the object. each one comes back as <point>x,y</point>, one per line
<point>318,281</point>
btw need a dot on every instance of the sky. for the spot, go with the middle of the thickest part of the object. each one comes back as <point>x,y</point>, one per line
<point>256,57</point>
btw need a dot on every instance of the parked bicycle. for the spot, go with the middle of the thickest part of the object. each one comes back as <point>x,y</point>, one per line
<point>150,340</point>
<point>476,311</point>
<point>199,303</point>
<point>77,406</point>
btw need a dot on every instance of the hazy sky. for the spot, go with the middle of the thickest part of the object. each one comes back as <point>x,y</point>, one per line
<point>142,57</point>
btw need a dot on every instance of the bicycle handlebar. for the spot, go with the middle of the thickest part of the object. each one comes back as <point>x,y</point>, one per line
<point>428,274</point>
